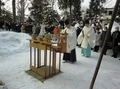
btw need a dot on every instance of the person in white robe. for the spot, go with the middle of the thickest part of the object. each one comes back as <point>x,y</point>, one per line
<point>42,30</point>
<point>97,39</point>
<point>70,54</point>
<point>86,39</point>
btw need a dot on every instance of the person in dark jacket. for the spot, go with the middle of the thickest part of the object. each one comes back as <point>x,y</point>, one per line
<point>79,29</point>
<point>28,28</point>
<point>103,35</point>
<point>37,29</point>
<point>115,40</point>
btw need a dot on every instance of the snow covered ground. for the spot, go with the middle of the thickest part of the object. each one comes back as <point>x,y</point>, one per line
<point>14,61</point>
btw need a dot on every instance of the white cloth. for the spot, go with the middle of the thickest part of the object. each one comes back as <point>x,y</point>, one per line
<point>119,44</point>
<point>89,37</point>
<point>77,25</point>
<point>23,28</point>
<point>42,30</point>
<point>33,29</point>
<point>71,38</point>
<point>97,40</point>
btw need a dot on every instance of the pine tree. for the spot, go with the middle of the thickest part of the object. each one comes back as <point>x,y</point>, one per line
<point>77,10</point>
<point>95,8</point>
<point>51,16</point>
<point>118,15</point>
<point>1,4</point>
<point>38,9</point>
<point>74,13</point>
<point>41,10</point>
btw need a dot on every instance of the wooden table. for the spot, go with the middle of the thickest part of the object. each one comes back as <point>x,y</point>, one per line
<point>43,58</point>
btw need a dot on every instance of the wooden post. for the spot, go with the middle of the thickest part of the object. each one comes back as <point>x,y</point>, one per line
<point>50,62</point>
<point>38,57</point>
<point>104,45</point>
<point>59,61</point>
<point>30,55</point>
<point>34,57</point>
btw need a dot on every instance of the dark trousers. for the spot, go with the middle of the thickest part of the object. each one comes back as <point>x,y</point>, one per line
<point>115,49</point>
<point>70,56</point>
<point>96,48</point>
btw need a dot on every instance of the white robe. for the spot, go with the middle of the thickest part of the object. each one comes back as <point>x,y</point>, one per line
<point>42,30</point>
<point>71,38</point>
<point>89,37</point>
<point>97,40</point>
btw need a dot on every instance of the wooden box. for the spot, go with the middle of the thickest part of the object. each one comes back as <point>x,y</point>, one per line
<point>62,42</point>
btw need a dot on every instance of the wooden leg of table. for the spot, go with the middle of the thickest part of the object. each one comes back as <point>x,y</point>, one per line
<point>34,57</point>
<point>59,61</point>
<point>38,58</point>
<point>30,56</point>
<point>55,62</point>
<point>50,62</point>
<point>45,61</point>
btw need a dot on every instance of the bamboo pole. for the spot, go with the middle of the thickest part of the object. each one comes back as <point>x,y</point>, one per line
<point>104,45</point>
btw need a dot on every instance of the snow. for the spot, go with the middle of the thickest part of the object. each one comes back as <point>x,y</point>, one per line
<point>115,24</point>
<point>11,43</point>
<point>107,4</point>
<point>14,61</point>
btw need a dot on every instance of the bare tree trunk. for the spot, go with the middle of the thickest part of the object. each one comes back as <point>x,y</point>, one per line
<point>22,9</point>
<point>70,12</point>
<point>14,10</point>
<point>0,7</point>
<point>22,5</point>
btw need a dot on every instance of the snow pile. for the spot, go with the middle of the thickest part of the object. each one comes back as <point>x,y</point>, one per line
<point>3,87</point>
<point>12,43</point>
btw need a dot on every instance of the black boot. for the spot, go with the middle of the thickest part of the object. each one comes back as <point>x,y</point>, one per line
<point>112,55</point>
<point>115,56</point>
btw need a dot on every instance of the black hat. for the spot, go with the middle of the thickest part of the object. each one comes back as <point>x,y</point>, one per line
<point>66,22</point>
<point>86,22</point>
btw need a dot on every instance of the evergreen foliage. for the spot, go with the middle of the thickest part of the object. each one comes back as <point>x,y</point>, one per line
<point>41,10</point>
<point>95,8</point>
<point>118,15</point>
<point>76,8</point>
<point>37,9</point>
<point>6,16</point>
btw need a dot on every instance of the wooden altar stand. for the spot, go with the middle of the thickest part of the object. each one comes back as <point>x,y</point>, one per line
<point>43,56</point>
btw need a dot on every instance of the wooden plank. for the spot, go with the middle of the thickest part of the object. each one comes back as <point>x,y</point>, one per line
<point>33,68</point>
<point>38,70</point>
<point>35,45</point>
<point>41,72</point>
<point>42,47</point>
